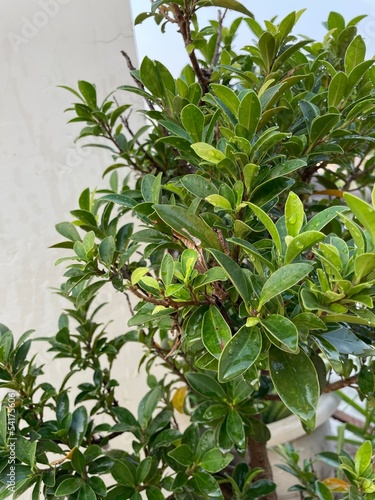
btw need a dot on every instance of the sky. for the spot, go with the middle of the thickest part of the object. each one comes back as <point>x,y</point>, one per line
<point>168,48</point>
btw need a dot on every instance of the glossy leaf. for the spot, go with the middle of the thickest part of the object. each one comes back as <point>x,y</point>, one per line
<point>320,220</point>
<point>283,330</point>
<point>219,201</point>
<point>182,454</point>
<point>296,381</point>
<point>249,113</point>
<point>68,486</point>
<point>363,265</point>
<point>294,214</point>
<point>337,89</point>
<point>266,220</point>
<point>232,5</point>
<point>234,273</point>
<point>228,97</point>
<point>283,279</point>
<point>322,125</point>
<point>68,230</point>
<point>215,332</point>
<point>235,428</point>
<point>301,243</point>
<point>208,152</point>
<point>364,212</point>
<point>355,53</point>
<point>363,458</point>
<point>215,460</point>
<point>206,484</point>
<point>78,426</point>
<point>198,185</point>
<point>346,342</point>
<point>206,385</point>
<point>193,120</point>
<point>240,353</point>
<point>188,225</point>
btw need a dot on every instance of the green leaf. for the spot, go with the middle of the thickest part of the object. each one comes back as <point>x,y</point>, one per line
<point>240,353</point>
<point>345,342</point>
<point>153,493</point>
<point>166,438</point>
<point>89,93</point>
<point>206,386</point>
<point>294,214</point>
<point>363,458</point>
<point>322,491</point>
<point>364,212</point>
<point>85,216</point>
<point>122,473</point>
<point>337,89</point>
<point>88,293</point>
<point>267,47</point>
<point>193,120</point>
<point>249,113</point>
<point>78,461</point>
<point>188,225</point>
<point>98,485</point>
<point>148,404</point>
<point>355,53</point>
<point>68,486</point>
<point>234,273</point>
<point>219,201</point>
<point>270,190</point>
<point>266,220</point>
<point>167,269</point>
<point>107,249</point>
<point>232,5</point>
<point>296,381</point>
<point>251,250</point>
<point>363,265</point>
<point>235,428</point>
<point>301,243</point>
<point>215,332</point>
<point>322,125</point>
<point>206,484</point>
<point>68,230</point>
<point>78,427</point>
<point>336,21</point>
<point>120,199</point>
<point>283,330</point>
<point>182,454</point>
<point>215,460</point>
<point>198,185</point>
<point>283,279</point>
<point>86,493</point>
<point>320,220</point>
<point>228,97</point>
<point>208,152</point>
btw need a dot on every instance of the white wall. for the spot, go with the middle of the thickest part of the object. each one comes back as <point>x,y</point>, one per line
<point>46,43</point>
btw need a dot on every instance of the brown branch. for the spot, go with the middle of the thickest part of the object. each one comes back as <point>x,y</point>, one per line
<point>169,362</point>
<point>137,82</point>
<point>216,55</point>
<point>184,28</point>
<point>335,386</point>
<point>167,302</point>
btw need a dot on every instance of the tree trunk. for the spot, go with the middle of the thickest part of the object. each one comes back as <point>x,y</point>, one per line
<point>259,458</point>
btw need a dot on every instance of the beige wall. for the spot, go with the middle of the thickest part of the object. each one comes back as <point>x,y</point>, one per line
<point>45,43</point>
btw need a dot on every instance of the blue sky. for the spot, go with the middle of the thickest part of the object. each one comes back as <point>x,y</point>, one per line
<point>168,48</point>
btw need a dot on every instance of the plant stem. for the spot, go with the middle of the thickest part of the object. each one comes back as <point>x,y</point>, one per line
<point>259,458</point>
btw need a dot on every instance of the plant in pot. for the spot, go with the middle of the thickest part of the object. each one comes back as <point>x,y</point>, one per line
<point>252,281</point>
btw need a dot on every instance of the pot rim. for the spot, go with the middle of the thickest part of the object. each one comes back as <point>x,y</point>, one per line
<point>290,428</point>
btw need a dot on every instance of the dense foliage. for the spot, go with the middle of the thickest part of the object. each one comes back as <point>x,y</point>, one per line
<point>252,264</point>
